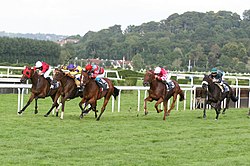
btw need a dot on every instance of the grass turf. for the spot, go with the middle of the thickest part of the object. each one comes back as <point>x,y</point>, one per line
<point>121,138</point>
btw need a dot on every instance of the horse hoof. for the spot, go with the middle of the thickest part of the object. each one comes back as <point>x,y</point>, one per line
<point>45,115</point>
<point>19,112</point>
<point>36,112</point>
<point>145,113</point>
<point>81,116</point>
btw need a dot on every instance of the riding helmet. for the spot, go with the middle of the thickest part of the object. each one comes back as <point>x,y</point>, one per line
<point>88,67</point>
<point>214,70</point>
<point>38,64</point>
<point>157,70</point>
<point>70,66</point>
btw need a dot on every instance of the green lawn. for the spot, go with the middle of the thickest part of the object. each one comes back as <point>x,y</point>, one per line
<point>122,138</point>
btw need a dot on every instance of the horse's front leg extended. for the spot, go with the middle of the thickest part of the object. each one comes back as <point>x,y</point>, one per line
<point>27,104</point>
<point>145,104</point>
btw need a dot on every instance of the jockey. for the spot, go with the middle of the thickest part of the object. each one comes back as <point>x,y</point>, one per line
<point>45,70</point>
<point>97,73</point>
<point>75,72</point>
<point>162,75</point>
<point>217,75</point>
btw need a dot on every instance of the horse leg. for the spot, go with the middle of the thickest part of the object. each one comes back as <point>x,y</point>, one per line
<point>165,104</point>
<point>84,112</point>
<point>63,104</point>
<point>27,104</point>
<point>207,102</point>
<point>157,103</point>
<point>217,109</point>
<point>57,109</point>
<point>54,104</point>
<point>204,110</point>
<point>227,105</point>
<point>173,103</point>
<point>36,110</point>
<point>106,100</point>
<point>145,104</point>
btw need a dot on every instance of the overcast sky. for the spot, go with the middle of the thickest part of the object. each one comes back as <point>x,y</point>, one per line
<point>72,17</point>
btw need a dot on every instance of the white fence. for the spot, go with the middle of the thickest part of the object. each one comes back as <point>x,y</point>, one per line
<point>21,88</point>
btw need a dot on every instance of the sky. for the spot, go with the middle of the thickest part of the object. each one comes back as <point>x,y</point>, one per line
<point>77,17</point>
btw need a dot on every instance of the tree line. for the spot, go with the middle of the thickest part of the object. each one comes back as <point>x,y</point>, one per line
<point>212,39</point>
<point>208,40</point>
<point>28,51</point>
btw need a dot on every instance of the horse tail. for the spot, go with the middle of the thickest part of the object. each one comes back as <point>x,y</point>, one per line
<point>116,92</point>
<point>181,93</point>
<point>234,98</point>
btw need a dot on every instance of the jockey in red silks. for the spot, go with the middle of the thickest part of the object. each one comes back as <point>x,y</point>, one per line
<point>45,70</point>
<point>162,75</point>
<point>97,73</point>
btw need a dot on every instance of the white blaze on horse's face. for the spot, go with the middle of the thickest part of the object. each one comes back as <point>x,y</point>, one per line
<point>204,82</point>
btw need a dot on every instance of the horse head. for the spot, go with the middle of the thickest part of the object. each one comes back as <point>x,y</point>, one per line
<point>206,81</point>
<point>85,78</point>
<point>28,73</point>
<point>58,75</point>
<point>148,78</point>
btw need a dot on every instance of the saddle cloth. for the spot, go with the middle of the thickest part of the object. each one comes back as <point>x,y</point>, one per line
<point>224,87</point>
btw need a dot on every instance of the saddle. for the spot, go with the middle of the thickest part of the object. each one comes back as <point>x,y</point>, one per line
<point>169,84</point>
<point>102,84</point>
<point>224,87</point>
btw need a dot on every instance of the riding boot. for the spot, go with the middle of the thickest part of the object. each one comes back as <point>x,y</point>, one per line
<point>99,83</point>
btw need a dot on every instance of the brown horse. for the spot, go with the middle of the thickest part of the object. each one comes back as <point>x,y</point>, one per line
<point>215,96</point>
<point>92,93</point>
<point>159,92</point>
<point>40,88</point>
<point>69,88</point>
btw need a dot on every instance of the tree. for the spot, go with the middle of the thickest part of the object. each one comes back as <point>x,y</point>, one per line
<point>138,62</point>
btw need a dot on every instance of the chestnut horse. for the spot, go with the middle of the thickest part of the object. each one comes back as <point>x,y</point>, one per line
<point>69,89</point>
<point>216,96</point>
<point>159,92</point>
<point>40,88</point>
<point>92,93</point>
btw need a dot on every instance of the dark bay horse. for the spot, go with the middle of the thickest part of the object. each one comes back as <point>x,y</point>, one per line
<point>158,92</point>
<point>92,93</point>
<point>69,89</point>
<point>40,88</point>
<point>214,95</point>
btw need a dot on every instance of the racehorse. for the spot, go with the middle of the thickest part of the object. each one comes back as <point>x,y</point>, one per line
<point>214,95</point>
<point>159,92</point>
<point>69,89</point>
<point>40,88</point>
<point>92,93</point>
